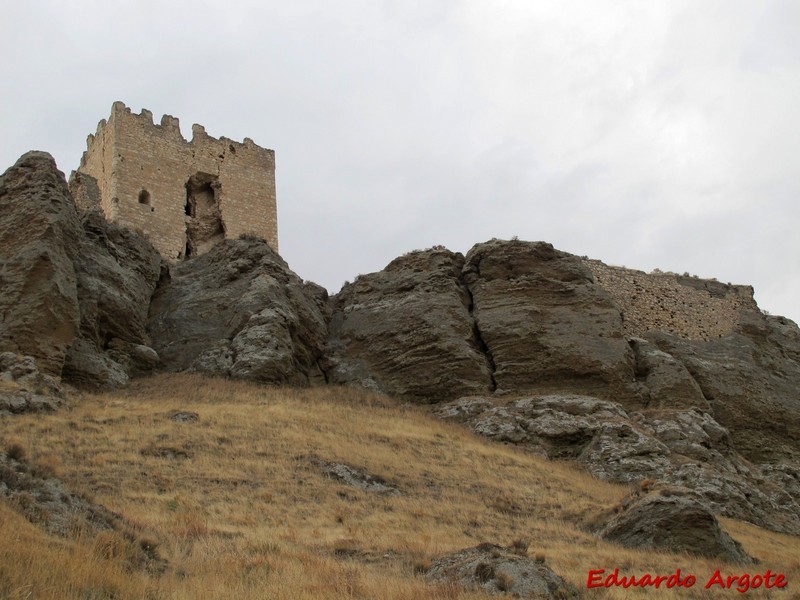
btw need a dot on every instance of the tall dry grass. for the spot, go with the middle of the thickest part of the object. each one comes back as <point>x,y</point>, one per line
<point>238,508</point>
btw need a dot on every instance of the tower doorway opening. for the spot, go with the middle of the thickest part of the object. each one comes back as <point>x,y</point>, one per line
<point>204,226</point>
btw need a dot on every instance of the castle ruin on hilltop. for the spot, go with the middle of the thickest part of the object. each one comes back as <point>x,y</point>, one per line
<point>183,196</point>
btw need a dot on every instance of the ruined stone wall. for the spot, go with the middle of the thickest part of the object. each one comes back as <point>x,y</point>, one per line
<point>143,169</point>
<point>84,191</point>
<point>689,307</point>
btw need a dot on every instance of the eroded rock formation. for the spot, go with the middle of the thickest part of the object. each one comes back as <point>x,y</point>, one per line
<point>408,331</point>
<point>239,311</point>
<point>685,447</point>
<point>39,237</point>
<point>673,520</point>
<point>75,290</point>
<point>497,570</point>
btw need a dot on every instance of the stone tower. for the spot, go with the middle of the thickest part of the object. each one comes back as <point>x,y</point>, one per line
<point>183,196</point>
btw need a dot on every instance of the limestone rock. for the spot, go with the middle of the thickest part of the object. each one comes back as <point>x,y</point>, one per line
<point>545,324</point>
<point>673,521</point>
<point>408,331</point>
<point>497,570</point>
<point>39,236</point>
<point>239,311</point>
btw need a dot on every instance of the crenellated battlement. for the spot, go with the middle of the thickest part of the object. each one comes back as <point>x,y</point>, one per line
<point>184,195</point>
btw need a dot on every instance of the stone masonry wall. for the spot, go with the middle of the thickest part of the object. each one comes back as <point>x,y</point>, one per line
<point>689,307</point>
<point>142,170</point>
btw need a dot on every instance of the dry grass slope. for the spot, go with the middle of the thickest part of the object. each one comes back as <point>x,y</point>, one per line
<point>237,505</point>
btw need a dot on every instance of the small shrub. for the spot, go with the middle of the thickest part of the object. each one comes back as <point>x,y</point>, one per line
<point>647,484</point>
<point>15,451</point>
<point>483,572</point>
<point>504,581</point>
<point>421,565</point>
<point>519,546</point>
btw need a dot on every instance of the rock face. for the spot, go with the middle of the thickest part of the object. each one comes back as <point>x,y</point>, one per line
<point>408,331</point>
<point>672,520</point>
<point>511,316</point>
<point>751,380</point>
<point>545,324</point>
<point>117,272</point>
<point>75,290</point>
<point>498,570</point>
<point>39,237</point>
<point>684,447</point>
<point>239,311</point>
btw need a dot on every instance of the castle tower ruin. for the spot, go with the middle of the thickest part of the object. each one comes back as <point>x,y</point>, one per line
<point>183,196</point>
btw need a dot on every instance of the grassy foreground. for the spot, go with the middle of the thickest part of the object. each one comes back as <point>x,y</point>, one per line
<point>238,507</point>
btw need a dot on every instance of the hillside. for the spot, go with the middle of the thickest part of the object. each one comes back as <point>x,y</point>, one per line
<point>495,421</point>
<point>237,503</point>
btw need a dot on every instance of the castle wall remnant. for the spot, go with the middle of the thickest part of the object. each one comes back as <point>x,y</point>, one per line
<point>183,196</point>
<point>689,307</point>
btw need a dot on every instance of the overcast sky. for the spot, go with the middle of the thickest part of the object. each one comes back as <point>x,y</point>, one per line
<point>658,133</point>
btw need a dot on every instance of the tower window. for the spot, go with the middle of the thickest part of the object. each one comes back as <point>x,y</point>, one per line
<point>144,197</point>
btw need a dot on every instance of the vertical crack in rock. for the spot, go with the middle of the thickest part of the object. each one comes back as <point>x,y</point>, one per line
<point>480,343</point>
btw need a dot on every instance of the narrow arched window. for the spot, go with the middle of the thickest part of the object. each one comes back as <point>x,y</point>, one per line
<point>144,197</point>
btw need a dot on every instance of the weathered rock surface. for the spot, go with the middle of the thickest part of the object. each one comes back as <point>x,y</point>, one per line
<point>751,380</point>
<point>39,237</point>
<point>673,520</point>
<point>354,477</point>
<point>407,331</point>
<point>74,290</point>
<point>117,272</point>
<point>545,323</point>
<point>239,311</point>
<point>679,446</point>
<point>511,316</point>
<point>24,389</point>
<point>498,570</point>
<point>667,382</point>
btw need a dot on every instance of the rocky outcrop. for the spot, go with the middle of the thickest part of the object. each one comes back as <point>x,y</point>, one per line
<point>672,520</point>
<point>117,272</point>
<point>685,447</point>
<point>511,316</point>
<point>497,570</point>
<point>408,331</point>
<point>751,381</point>
<point>75,289</point>
<point>239,311</point>
<point>24,389</point>
<point>545,323</point>
<point>39,237</point>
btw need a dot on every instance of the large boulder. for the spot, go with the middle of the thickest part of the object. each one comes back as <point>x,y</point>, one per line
<point>496,570</point>
<point>408,331</point>
<point>239,311</point>
<point>39,237</point>
<point>673,520</point>
<point>545,324</point>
